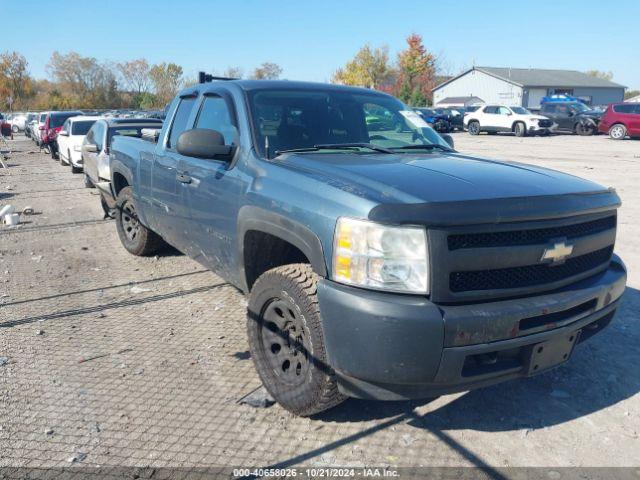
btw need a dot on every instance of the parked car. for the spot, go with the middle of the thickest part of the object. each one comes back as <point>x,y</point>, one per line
<point>29,124</point>
<point>438,121</point>
<point>69,140</point>
<point>380,265</point>
<point>5,127</point>
<point>500,118</point>
<point>95,152</point>
<point>453,116</point>
<point>620,120</point>
<point>52,125</point>
<point>572,117</point>
<point>38,129</point>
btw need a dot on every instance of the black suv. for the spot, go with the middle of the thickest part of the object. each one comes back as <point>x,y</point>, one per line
<point>573,117</point>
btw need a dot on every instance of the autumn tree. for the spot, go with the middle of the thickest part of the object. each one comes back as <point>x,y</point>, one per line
<point>417,69</point>
<point>369,68</point>
<point>600,74</point>
<point>83,81</point>
<point>167,80</point>
<point>15,81</point>
<point>135,74</point>
<point>233,72</point>
<point>267,71</point>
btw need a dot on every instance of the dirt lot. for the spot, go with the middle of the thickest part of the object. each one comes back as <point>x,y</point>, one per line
<point>115,360</point>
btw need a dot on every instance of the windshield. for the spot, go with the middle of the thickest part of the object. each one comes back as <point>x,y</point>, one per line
<point>579,107</point>
<point>43,116</point>
<point>59,118</point>
<point>81,127</point>
<point>293,119</point>
<point>520,111</point>
<point>128,131</point>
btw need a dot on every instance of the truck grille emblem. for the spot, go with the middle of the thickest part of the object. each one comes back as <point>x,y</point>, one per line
<point>557,253</point>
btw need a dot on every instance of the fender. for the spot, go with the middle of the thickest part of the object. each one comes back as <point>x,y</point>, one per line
<point>300,236</point>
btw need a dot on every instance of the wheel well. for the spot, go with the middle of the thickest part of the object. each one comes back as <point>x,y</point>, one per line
<point>263,251</point>
<point>513,127</point>
<point>119,182</point>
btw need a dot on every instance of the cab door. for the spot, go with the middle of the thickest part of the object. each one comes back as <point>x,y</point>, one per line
<point>213,189</point>
<point>168,212</point>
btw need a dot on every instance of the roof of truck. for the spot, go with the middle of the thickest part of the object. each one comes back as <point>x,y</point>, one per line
<point>249,85</point>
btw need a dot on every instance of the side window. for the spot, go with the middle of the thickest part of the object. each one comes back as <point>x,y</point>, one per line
<point>503,111</point>
<point>67,127</point>
<point>180,120</point>
<point>623,108</point>
<point>491,110</point>
<point>637,109</point>
<point>98,136</point>
<point>89,137</point>
<point>214,115</point>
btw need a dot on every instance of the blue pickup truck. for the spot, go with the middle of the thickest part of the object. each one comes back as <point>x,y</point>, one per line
<point>378,264</point>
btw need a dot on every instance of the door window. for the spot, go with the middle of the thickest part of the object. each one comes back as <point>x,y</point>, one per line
<point>180,120</point>
<point>98,136</point>
<point>503,111</point>
<point>623,108</point>
<point>491,110</point>
<point>214,115</point>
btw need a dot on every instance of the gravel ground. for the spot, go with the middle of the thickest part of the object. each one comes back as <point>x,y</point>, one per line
<point>108,359</point>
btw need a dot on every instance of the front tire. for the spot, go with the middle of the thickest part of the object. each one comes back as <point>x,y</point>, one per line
<point>584,130</point>
<point>618,132</point>
<point>87,182</point>
<point>474,128</point>
<point>15,129</point>
<point>286,340</point>
<point>135,237</point>
<point>520,129</point>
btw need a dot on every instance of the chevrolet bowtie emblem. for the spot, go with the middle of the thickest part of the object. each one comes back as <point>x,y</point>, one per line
<point>557,253</point>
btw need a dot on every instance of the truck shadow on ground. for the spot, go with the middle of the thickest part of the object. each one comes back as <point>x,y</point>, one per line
<point>602,372</point>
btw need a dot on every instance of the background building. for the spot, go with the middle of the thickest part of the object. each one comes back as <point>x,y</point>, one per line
<point>527,86</point>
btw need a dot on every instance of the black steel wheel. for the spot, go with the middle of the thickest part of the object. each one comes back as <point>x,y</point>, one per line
<point>134,236</point>
<point>286,340</point>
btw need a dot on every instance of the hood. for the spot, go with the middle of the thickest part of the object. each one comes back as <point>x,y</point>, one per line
<point>591,113</point>
<point>437,177</point>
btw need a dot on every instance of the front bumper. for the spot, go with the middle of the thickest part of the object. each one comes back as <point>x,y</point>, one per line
<point>393,347</point>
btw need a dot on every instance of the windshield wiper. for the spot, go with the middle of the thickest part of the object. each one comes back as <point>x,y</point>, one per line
<point>429,146</point>
<point>336,146</point>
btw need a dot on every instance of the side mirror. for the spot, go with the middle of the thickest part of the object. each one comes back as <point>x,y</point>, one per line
<point>204,143</point>
<point>509,113</point>
<point>571,114</point>
<point>448,138</point>
<point>64,133</point>
<point>42,128</point>
<point>91,147</point>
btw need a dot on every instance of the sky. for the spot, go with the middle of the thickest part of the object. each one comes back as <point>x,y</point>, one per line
<point>311,39</point>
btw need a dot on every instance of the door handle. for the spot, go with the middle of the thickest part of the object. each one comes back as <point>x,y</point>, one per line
<point>183,178</point>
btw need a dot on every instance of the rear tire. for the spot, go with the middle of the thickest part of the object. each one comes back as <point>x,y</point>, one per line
<point>284,328</point>
<point>135,237</point>
<point>618,131</point>
<point>520,129</point>
<point>474,127</point>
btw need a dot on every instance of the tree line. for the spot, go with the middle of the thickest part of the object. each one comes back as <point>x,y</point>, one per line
<point>75,81</point>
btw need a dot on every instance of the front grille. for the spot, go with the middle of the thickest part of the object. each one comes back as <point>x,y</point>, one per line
<point>527,276</point>
<point>529,237</point>
<point>545,123</point>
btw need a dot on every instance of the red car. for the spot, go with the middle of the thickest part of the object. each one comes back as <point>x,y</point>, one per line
<point>5,127</point>
<point>52,126</point>
<point>620,120</point>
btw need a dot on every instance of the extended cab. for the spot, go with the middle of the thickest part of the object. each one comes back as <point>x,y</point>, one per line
<point>377,263</point>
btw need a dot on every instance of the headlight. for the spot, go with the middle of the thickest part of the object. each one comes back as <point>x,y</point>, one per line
<point>370,255</point>
<point>77,148</point>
